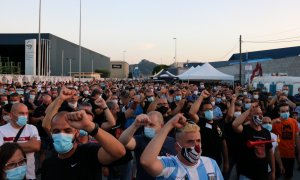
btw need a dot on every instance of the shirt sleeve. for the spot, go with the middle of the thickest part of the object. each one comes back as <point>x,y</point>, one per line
<point>1,138</point>
<point>217,170</point>
<point>169,165</point>
<point>34,133</point>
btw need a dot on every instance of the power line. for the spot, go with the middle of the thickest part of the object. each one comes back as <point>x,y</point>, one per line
<point>230,51</point>
<point>296,40</point>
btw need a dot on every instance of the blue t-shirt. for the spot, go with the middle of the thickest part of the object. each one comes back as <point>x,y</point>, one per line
<point>206,168</point>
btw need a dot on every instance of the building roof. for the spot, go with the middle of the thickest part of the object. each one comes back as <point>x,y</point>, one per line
<point>268,54</point>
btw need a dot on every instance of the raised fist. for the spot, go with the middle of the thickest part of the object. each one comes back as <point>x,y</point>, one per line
<point>142,120</point>
<point>205,94</point>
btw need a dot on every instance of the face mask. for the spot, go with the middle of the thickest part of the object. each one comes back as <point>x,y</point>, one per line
<point>247,106</point>
<point>16,173</point>
<point>218,100</point>
<point>22,120</point>
<point>5,102</point>
<point>11,92</point>
<point>267,126</point>
<point>237,114</point>
<point>32,96</point>
<point>82,133</point>
<point>285,115</point>
<point>48,89</point>
<point>150,99</point>
<point>115,101</point>
<point>223,98</point>
<point>177,98</point>
<point>14,102</point>
<point>202,86</point>
<point>62,142</point>
<point>255,96</point>
<point>209,115</point>
<point>191,154</point>
<point>245,93</point>
<point>149,132</point>
<point>286,92</point>
<point>196,92</point>
<point>213,103</point>
<point>72,105</point>
<point>170,100</point>
<point>163,110</point>
<point>6,118</point>
<point>86,92</point>
<point>257,121</point>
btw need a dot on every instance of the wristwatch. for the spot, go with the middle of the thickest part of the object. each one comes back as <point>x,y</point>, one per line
<point>95,130</point>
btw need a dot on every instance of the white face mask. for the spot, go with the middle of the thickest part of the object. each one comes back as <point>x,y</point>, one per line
<point>115,101</point>
<point>72,105</point>
<point>237,114</point>
<point>255,96</point>
<point>213,103</point>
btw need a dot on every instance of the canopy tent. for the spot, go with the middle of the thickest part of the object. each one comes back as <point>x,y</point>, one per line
<point>207,72</point>
<point>164,75</point>
<point>187,73</point>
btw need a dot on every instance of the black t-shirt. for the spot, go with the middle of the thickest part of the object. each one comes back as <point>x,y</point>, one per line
<point>38,112</point>
<point>254,160</point>
<point>233,141</point>
<point>212,135</point>
<point>146,106</point>
<point>82,165</point>
<point>142,141</point>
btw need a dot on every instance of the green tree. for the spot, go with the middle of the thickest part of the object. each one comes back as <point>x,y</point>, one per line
<point>104,73</point>
<point>157,68</point>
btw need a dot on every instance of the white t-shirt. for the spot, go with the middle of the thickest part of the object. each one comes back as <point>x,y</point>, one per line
<point>8,133</point>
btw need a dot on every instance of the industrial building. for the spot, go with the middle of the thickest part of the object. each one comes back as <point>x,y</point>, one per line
<point>59,57</point>
<point>119,69</point>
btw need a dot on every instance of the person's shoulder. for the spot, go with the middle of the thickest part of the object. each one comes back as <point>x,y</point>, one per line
<point>5,126</point>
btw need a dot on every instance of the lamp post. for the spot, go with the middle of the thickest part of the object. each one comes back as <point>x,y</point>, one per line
<point>92,65</point>
<point>80,43</point>
<point>62,63</point>
<point>124,55</point>
<point>175,57</point>
<point>39,39</point>
<point>70,59</point>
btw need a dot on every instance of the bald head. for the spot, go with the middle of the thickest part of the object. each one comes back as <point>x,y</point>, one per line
<point>18,109</point>
<point>157,116</point>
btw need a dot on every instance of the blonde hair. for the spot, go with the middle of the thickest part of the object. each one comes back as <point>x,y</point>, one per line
<point>189,127</point>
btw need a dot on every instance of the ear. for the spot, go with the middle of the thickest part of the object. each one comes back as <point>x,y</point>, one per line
<point>177,147</point>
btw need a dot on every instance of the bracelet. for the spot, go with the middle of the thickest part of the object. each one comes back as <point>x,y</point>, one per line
<point>95,130</point>
<point>105,108</point>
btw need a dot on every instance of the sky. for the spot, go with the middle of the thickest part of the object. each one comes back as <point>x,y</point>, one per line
<point>205,30</point>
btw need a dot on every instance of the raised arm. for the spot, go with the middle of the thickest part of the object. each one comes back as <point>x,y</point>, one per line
<point>111,121</point>
<point>231,109</point>
<point>149,157</point>
<point>196,106</point>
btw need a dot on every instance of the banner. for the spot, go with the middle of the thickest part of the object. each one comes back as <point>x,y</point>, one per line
<point>30,57</point>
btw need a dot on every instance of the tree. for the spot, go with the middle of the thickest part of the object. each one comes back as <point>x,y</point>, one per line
<point>157,68</point>
<point>104,73</point>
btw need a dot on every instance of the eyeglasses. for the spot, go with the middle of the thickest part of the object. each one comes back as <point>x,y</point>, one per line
<point>15,164</point>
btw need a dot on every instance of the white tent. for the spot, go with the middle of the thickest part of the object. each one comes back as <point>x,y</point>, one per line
<point>187,73</point>
<point>207,72</point>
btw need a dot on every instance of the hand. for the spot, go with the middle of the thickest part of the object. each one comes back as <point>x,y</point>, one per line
<point>142,120</point>
<point>282,170</point>
<point>205,94</point>
<point>233,98</point>
<point>66,94</point>
<point>178,121</point>
<point>80,120</point>
<point>101,103</point>
<point>253,107</point>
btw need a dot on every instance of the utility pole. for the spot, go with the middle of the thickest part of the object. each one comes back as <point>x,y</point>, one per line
<point>39,39</point>
<point>80,43</point>
<point>240,76</point>
<point>62,63</point>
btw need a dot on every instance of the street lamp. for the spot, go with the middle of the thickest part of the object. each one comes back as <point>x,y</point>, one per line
<point>39,39</point>
<point>92,65</point>
<point>175,57</point>
<point>80,43</point>
<point>124,55</point>
<point>70,59</point>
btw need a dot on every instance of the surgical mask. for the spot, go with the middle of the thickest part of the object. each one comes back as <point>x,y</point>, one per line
<point>213,103</point>
<point>22,120</point>
<point>14,102</point>
<point>196,92</point>
<point>150,99</point>
<point>237,114</point>
<point>177,98</point>
<point>202,86</point>
<point>82,133</point>
<point>247,106</point>
<point>149,132</point>
<point>16,173</point>
<point>163,110</point>
<point>48,89</point>
<point>32,96</point>
<point>72,105</point>
<point>191,154</point>
<point>223,98</point>
<point>286,92</point>
<point>86,92</point>
<point>257,120</point>
<point>63,142</point>
<point>285,115</point>
<point>5,102</point>
<point>245,93</point>
<point>218,100</point>
<point>6,118</point>
<point>209,115</point>
<point>115,101</point>
<point>255,96</point>
<point>267,126</point>
<point>11,92</point>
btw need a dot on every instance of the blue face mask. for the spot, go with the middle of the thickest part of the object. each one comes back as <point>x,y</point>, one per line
<point>22,120</point>
<point>285,115</point>
<point>63,142</point>
<point>247,105</point>
<point>209,115</point>
<point>16,173</point>
<point>150,99</point>
<point>218,100</point>
<point>177,98</point>
<point>149,132</point>
<point>267,126</point>
<point>82,133</point>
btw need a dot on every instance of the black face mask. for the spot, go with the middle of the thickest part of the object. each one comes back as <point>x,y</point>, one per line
<point>163,110</point>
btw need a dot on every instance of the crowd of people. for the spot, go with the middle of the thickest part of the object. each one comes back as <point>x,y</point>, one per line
<point>124,130</point>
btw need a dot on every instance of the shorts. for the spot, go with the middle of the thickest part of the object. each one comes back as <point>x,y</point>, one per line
<point>288,164</point>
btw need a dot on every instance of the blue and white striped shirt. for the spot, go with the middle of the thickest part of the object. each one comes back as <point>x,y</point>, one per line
<point>206,168</point>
